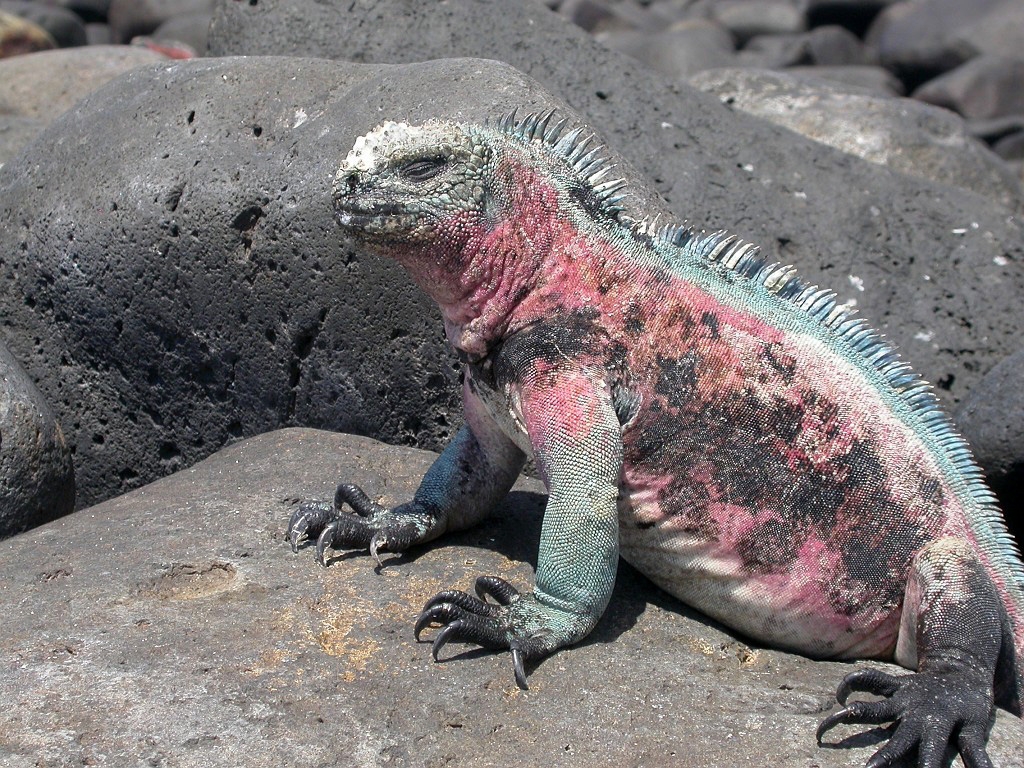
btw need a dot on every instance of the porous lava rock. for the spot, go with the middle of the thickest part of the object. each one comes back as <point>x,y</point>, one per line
<point>991,417</point>
<point>174,626</point>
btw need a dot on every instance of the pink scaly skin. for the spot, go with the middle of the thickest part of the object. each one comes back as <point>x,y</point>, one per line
<point>727,429</point>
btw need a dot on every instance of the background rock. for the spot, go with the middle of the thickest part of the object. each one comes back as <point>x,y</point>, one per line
<point>985,87</point>
<point>19,36</point>
<point>129,18</point>
<point>45,85</point>
<point>991,417</point>
<point>66,28</point>
<point>174,626</point>
<point>904,135</point>
<point>37,481</point>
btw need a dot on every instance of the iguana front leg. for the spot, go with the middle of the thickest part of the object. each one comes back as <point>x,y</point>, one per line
<point>954,630</point>
<point>577,442</point>
<point>474,472</point>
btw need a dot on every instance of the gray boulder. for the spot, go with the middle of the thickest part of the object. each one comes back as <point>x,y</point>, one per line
<point>37,481</point>
<point>984,88</point>
<point>174,626</point>
<point>46,84</point>
<point>923,38</point>
<point>678,52</point>
<point>15,134</point>
<point>991,417</point>
<point>902,134</point>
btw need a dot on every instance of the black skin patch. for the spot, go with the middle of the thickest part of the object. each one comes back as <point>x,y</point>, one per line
<point>586,198</point>
<point>678,380</point>
<point>775,359</point>
<point>573,335</point>
<point>771,546</point>
<point>710,321</point>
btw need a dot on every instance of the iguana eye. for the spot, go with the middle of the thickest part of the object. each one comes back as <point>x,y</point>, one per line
<point>424,169</point>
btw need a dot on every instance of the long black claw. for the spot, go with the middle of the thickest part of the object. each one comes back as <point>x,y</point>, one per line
<point>325,542</point>
<point>518,670</point>
<point>497,588</point>
<point>441,640</point>
<point>378,543</point>
<point>308,517</point>
<point>871,712</point>
<point>869,681</point>
<point>461,599</point>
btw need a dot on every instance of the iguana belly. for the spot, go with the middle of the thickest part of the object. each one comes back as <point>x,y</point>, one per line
<point>806,605</point>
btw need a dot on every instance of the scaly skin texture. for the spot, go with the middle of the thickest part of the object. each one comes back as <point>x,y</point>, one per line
<point>734,434</point>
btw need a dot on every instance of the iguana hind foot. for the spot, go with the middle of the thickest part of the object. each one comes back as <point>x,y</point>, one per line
<point>947,703</point>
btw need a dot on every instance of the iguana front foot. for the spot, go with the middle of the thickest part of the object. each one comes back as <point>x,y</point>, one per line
<point>948,701</point>
<point>373,526</point>
<point>519,622</point>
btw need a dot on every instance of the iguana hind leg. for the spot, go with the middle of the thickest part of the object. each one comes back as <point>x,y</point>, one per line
<point>953,634</point>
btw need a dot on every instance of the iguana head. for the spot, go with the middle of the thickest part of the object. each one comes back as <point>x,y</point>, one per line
<point>403,184</point>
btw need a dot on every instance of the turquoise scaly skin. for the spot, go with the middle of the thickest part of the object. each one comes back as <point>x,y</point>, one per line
<point>751,446</point>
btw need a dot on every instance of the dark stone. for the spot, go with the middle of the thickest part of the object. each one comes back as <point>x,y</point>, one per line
<point>920,39</point>
<point>37,481</point>
<point>984,88</point>
<point>97,33</point>
<point>191,29</point>
<point>64,26</point>
<point>749,18</point>
<point>826,46</point>
<point>991,418</point>
<point>679,52</point>
<point>174,626</point>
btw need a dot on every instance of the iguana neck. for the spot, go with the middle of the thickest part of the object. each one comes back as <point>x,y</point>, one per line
<point>485,264</point>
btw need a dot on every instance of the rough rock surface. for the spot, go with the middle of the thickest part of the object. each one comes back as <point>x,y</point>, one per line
<point>37,481</point>
<point>45,85</point>
<point>991,417</point>
<point>174,626</point>
<point>905,135</point>
<point>15,134</point>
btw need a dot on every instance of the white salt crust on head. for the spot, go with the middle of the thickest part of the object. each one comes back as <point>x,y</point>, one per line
<point>368,148</point>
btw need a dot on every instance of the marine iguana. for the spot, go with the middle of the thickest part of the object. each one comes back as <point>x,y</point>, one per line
<point>734,433</point>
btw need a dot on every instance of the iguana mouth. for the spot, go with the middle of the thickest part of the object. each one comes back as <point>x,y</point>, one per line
<point>385,215</point>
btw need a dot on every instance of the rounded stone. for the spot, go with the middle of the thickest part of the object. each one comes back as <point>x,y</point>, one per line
<point>66,28</point>
<point>991,417</point>
<point>902,134</point>
<point>44,85</point>
<point>37,481</point>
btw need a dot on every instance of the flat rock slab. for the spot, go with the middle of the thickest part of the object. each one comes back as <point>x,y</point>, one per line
<point>173,626</point>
